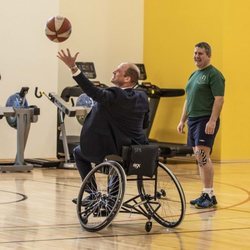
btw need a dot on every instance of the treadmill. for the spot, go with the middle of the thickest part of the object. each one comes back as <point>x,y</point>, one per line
<point>154,93</point>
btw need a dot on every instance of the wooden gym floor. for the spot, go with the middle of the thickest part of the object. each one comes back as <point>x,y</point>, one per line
<point>36,212</point>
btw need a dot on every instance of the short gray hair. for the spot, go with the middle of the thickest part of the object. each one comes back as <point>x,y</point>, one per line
<point>205,46</point>
<point>133,72</point>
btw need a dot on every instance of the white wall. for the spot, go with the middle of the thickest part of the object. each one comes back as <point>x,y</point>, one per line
<point>105,32</point>
<point>28,58</point>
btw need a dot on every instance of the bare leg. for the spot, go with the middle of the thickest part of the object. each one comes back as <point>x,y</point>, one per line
<point>205,164</point>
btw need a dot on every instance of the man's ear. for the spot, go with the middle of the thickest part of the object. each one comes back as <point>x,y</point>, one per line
<point>127,79</point>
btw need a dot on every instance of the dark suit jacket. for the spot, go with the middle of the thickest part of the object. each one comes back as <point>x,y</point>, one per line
<point>117,119</point>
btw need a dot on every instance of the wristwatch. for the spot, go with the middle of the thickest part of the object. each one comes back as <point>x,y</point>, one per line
<point>74,69</point>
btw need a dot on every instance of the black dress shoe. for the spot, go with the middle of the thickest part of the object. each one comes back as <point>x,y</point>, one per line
<point>74,200</point>
<point>101,213</point>
<point>86,201</point>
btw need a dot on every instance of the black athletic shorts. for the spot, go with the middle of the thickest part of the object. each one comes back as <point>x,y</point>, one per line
<point>196,132</point>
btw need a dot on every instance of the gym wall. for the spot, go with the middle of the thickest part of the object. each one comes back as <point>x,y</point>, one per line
<point>171,29</point>
<point>28,58</point>
<point>104,32</point>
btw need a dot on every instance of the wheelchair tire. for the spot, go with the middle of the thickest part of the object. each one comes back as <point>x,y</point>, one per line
<point>163,198</point>
<point>101,195</point>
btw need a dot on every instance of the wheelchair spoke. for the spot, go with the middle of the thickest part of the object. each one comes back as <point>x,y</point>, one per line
<point>102,191</point>
<point>165,197</point>
<point>106,195</point>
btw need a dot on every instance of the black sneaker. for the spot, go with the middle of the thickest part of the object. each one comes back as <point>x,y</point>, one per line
<point>206,202</point>
<point>213,198</point>
<point>193,202</point>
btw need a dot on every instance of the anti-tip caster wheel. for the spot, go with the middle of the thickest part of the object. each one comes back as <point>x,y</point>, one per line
<point>148,226</point>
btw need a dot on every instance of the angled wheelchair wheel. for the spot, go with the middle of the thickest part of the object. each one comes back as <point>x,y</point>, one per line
<point>101,195</point>
<point>163,197</point>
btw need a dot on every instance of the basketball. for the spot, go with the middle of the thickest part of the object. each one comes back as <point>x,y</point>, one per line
<point>58,29</point>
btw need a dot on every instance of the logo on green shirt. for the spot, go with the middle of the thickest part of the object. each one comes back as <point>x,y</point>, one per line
<point>202,80</point>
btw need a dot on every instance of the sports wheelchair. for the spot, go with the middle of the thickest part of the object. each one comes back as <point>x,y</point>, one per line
<point>160,195</point>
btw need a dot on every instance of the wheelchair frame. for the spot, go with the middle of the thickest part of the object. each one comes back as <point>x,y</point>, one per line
<point>101,195</point>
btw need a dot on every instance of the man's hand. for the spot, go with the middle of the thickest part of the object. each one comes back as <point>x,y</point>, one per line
<point>180,128</point>
<point>67,58</point>
<point>210,127</point>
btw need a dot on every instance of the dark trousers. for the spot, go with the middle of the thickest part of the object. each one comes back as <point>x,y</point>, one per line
<point>83,165</point>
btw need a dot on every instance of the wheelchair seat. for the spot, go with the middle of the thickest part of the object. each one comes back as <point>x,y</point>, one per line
<point>138,160</point>
<point>116,158</point>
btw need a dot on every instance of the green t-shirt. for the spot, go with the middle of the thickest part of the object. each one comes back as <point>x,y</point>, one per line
<point>201,88</point>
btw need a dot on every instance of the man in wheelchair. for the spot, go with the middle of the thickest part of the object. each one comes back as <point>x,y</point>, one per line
<point>117,119</point>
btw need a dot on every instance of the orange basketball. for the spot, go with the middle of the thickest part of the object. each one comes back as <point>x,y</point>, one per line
<point>58,29</point>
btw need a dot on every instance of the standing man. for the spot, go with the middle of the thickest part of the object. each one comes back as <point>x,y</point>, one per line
<point>202,108</point>
<point>117,119</point>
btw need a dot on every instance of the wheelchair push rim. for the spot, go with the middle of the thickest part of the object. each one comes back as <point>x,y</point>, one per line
<point>99,203</point>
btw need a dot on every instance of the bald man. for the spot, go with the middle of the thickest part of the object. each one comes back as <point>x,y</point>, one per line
<point>118,118</point>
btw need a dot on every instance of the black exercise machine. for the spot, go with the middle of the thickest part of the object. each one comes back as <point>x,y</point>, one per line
<point>63,108</point>
<point>66,106</point>
<point>67,95</point>
<point>155,93</point>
